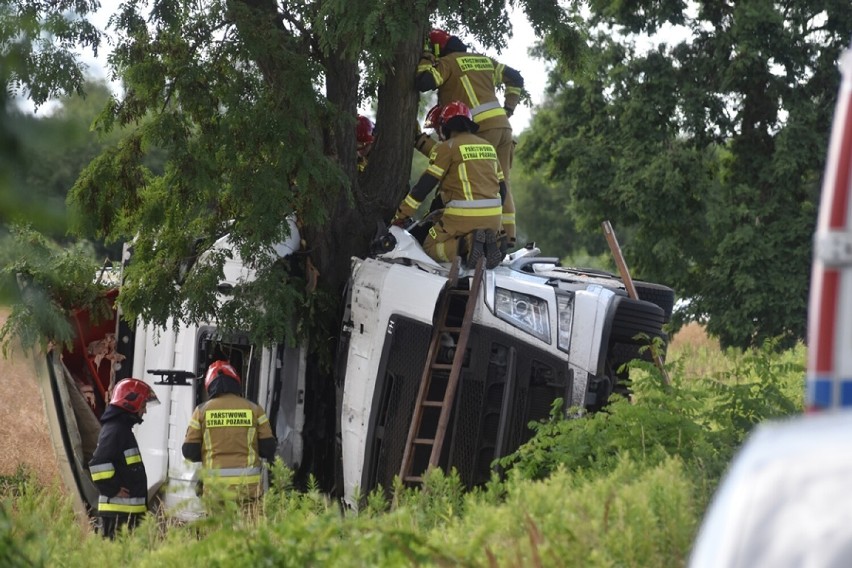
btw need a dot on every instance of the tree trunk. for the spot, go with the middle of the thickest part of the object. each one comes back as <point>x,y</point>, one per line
<point>354,211</point>
<point>375,192</point>
<point>354,214</point>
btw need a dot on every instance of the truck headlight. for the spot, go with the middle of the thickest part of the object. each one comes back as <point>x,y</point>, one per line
<point>524,312</point>
<point>565,305</point>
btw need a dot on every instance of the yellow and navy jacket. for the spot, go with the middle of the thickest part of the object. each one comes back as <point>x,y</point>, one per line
<point>424,144</point>
<point>117,463</point>
<point>471,180</point>
<point>472,79</point>
<point>229,435</point>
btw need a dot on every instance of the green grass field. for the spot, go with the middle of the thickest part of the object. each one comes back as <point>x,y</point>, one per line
<point>623,487</point>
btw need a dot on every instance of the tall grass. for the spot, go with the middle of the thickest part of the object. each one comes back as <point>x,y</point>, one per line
<point>624,487</point>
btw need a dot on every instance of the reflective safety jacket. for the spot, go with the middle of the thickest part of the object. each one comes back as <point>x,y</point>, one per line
<point>424,144</point>
<point>117,463</point>
<point>471,181</point>
<point>472,79</point>
<point>233,433</point>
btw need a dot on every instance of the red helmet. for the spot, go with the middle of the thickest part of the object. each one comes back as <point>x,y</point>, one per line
<point>455,108</point>
<point>129,394</point>
<point>438,40</point>
<point>433,117</point>
<point>459,111</point>
<point>218,368</point>
<point>364,131</point>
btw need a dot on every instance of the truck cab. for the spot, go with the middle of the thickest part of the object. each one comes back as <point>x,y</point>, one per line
<point>539,332</point>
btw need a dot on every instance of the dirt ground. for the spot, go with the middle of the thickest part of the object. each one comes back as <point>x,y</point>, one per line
<point>24,438</point>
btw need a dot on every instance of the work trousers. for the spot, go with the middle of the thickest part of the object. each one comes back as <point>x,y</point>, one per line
<point>110,525</point>
<point>501,139</point>
<point>442,242</point>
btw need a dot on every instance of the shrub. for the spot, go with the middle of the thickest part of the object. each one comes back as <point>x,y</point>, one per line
<point>701,421</point>
<point>623,487</point>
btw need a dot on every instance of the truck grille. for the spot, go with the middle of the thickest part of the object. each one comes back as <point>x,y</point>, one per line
<point>486,424</point>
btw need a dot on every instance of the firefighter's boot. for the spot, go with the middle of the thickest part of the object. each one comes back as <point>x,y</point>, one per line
<point>483,243</point>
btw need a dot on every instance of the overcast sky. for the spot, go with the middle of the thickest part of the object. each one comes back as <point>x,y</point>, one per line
<point>534,71</point>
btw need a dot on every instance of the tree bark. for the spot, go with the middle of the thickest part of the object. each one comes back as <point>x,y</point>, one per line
<point>376,192</point>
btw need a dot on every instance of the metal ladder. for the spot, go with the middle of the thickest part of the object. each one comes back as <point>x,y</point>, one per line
<point>432,396</point>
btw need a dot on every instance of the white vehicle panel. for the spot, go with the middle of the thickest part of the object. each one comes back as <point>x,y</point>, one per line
<point>289,416</point>
<point>785,500</point>
<point>236,272</point>
<point>409,249</point>
<point>179,496</point>
<point>153,433</point>
<point>404,291</point>
<point>843,333</point>
<point>590,309</point>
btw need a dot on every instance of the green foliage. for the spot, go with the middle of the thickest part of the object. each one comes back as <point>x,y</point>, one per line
<point>14,485</point>
<point>707,150</point>
<point>699,421</point>
<point>29,510</point>
<point>437,501</point>
<point>659,424</point>
<point>40,44</point>
<point>232,98</point>
<point>54,150</point>
<point>46,156</point>
<point>544,217</point>
<point>625,487</point>
<point>630,516</point>
<point>14,539</point>
<point>759,387</point>
<point>254,104</point>
<point>49,281</point>
<point>633,515</point>
<point>10,548</point>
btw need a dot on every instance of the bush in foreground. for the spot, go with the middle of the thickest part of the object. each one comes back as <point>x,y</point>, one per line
<point>626,486</point>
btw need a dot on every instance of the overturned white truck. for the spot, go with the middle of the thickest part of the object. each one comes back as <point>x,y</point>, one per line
<point>535,332</point>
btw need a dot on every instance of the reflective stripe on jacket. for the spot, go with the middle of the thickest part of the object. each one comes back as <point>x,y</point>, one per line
<point>229,428</point>
<point>467,168</point>
<point>121,504</point>
<point>472,79</point>
<point>117,463</point>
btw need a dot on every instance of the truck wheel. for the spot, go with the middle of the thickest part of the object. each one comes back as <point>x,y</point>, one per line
<point>620,380</point>
<point>633,317</point>
<point>658,294</point>
<point>621,353</point>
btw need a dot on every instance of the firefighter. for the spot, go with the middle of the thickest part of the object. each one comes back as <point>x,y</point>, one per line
<point>423,142</point>
<point>116,466</point>
<point>364,137</point>
<point>471,191</point>
<point>472,79</point>
<point>229,434</point>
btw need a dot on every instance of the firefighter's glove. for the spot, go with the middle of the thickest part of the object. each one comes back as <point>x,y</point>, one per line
<point>419,135</point>
<point>503,243</point>
<point>509,111</point>
<point>427,57</point>
<point>399,221</point>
